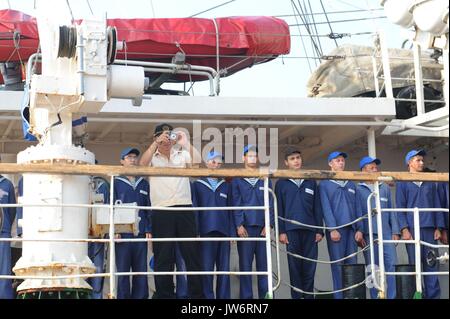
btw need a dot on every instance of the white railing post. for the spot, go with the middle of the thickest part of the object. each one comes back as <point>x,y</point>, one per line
<point>277,242</point>
<point>112,250</point>
<point>371,242</point>
<point>268,242</point>
<point>386,66</point>
<point>418,77</point>
<point>417,250</point>
<point>382,293</point>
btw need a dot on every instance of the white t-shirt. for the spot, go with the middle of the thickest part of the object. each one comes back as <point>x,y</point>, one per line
<point>170,191</point>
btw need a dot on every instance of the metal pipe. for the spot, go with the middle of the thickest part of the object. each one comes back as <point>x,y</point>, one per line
<point>375,75</point>
<point>31,59</point>
<point>382,293</point>
<point>446,79</point>
<point>112,251</point>
<point>80,61</point>
<point>386,65</point>
<point>431,273</point>
<point>371,142</point>
<point>399,210</point>
<point>417,250</point>
<point>267,238</point>
<point>175,209</point>
<point>168,65</point>
<point>371,242</point>
<point>277,242</point>
<point>201,73</point>
<point>420,103</point>
<point>133,240</point>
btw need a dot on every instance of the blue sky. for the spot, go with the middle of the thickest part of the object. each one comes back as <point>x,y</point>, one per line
<point>284,77</point>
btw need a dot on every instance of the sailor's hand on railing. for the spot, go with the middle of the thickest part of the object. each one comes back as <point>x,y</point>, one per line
<point>444,237</point>
<point>242,232</point>
<point>284,239</point>
<point>406,235</point>
<point>335,235</point>
<point>319,238</point>
<point>437,234</point>
<point>117,236</point>
<point>148,235</point>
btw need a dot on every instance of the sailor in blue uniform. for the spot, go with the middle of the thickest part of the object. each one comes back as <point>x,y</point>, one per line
<point>443,200</point>
<point>338,199</point>
<point>390,224</point>
<point>421,195</point>
<point>214,192</point>
<point>250,223</point>
<point>96,251</point>
<point>129,189</point>
<point>299,200</point>
<point>7,196</point>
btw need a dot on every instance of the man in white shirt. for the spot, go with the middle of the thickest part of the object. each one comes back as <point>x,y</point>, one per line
<point>172,149</point>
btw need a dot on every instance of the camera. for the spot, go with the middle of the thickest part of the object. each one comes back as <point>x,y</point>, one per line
<point>173,136</point>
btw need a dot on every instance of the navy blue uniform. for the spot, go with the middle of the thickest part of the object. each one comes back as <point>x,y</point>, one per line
<point>390,228</point>
<point>443,200</point>
<point>299,200</point>
<point>7,196</point>
<point>96,251</point>
<point>214,223</point>
<point>245,193</point>
<point>338,199</point>
<point>421,195</point>
<point>128,254</point>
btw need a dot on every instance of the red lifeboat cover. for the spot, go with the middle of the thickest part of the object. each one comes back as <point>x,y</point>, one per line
<point>243,41</point>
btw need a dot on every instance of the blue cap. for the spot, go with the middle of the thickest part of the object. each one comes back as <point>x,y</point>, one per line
<point>212,155</point>
<point>250,147</point>
<point>368,160</point>
<point>129,150</point>
<point>336,154</point>
<point>413,153</point>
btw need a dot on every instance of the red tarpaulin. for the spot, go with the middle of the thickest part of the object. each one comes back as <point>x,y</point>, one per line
<point>243,41</point>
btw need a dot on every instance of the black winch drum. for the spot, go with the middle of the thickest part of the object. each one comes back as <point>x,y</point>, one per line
<point>351,275</point>
<point>406,284</point>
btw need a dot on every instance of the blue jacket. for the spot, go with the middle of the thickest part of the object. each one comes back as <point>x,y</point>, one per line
<point>7,196</point>
<point>203,195</point>
<point>390,223</point>
<point>299,203</point>
<point>125,191</point>
<point>245,194</point>
<point>424,195</point>
<point>338,203</point>
<point>443,199</point>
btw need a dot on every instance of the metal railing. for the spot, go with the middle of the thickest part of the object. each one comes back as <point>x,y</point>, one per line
<point>381,285</point>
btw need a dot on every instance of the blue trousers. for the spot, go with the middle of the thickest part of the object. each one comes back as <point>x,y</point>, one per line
<point>131,256</point>
<point>6,290</point>
<point>247,250</point>
<point>390,258</point>
<point>216,254</point>
<point>181,289</point>
<point>431,288</point>
<point>302,242</point>
<point>337,250</point>
<point>96,252</point>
